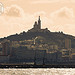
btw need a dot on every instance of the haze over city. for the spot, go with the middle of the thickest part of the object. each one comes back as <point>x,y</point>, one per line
<point>56,15</point>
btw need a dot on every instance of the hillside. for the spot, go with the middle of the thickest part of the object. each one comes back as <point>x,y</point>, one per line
<point>51,37</point>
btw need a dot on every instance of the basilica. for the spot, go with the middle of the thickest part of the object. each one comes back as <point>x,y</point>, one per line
<point>37,27</point>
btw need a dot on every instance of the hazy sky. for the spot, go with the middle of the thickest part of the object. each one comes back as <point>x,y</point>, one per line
<point>20,15</point>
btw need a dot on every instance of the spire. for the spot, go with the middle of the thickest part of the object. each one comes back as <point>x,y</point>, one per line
<point>39,18</point>
<point>39,23</point>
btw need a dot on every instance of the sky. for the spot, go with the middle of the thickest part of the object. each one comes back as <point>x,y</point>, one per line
<point>20,15</point>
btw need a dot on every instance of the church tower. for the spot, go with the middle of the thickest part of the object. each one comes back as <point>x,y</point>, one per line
<point>35,25</point>
<point>39,23</point>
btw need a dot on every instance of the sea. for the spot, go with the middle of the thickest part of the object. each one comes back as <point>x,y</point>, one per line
<point>38,71</point>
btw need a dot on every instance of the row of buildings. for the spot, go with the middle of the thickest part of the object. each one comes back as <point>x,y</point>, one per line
<point>54,53</point>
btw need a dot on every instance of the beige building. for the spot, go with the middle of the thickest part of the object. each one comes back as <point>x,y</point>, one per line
<point>67,43</point>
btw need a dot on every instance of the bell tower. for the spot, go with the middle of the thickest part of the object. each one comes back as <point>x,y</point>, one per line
<point>39,23</point>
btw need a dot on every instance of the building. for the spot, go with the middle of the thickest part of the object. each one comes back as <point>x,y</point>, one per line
<point>4,58</point>
<point>50,58</point>
<point>65,53</point>
<point>37,27</point>
<point>67,43</point>
<point>6,47</point>
<point>72,57</point>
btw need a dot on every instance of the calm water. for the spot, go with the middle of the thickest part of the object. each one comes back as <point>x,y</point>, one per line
<point>38,71</point>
